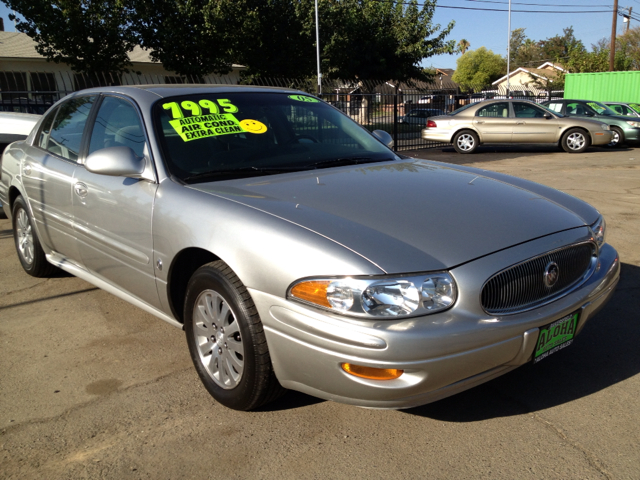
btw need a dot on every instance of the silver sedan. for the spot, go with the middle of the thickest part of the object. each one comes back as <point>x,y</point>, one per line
<point>514,121</point>
<point>297,250</point>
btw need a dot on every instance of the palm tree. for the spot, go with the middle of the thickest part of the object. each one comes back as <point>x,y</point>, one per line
<point>463,45</point>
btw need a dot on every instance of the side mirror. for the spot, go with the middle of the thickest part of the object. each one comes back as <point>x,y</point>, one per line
<point>384,137</point>
<point>115,162</point>
<point>547,116</point>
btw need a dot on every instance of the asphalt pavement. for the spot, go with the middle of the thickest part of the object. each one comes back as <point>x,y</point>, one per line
<point>92,387</point>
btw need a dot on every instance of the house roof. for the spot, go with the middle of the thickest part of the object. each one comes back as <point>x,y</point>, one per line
<point>21,45</point>
<point>536,72</point>
<point>556,65</point>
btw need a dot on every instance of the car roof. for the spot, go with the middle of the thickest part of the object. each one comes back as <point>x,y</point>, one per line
<point>167,90</point>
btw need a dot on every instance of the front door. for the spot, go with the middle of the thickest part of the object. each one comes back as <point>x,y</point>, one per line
<point>531,126</point>
<point>113,214</point>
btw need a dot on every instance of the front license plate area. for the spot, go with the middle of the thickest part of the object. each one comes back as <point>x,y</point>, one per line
<point>555,336</point>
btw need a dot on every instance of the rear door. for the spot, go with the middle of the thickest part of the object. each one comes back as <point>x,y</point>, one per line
<point>113,214</point>
<point>494,123</point>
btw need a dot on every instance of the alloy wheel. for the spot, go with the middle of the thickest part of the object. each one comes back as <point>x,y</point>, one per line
<point>25,237</point>
<point>466,142</point>
<point>217,336</point>
<point>576,141</point>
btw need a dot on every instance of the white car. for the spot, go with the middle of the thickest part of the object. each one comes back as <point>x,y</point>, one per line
<point>13,127</point>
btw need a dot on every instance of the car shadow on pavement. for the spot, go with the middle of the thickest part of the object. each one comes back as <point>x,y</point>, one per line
<point>605,353</point>
<point>289,401</point>
<point>492,153</point>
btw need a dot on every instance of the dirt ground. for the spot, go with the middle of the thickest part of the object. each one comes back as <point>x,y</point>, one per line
<point>92,387</point>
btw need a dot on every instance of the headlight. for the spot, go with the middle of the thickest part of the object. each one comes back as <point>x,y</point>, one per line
<point>379,296</point>
<point>634,124</point>
<point>599,231</point>
<point>606,127</point>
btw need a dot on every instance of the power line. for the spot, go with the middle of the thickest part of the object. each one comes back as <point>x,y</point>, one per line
<point>521,11</point>
<point>538,4</point>
<point>504,10</point>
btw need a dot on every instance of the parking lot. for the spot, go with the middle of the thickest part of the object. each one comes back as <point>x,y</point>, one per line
<point>92,387</point>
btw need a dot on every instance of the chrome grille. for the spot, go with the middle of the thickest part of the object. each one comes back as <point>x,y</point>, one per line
<point>521,287</point>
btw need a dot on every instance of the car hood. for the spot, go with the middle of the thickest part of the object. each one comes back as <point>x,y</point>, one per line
<point>414,215</point>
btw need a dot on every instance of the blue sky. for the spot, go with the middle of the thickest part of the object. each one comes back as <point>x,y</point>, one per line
<point>489,28</point>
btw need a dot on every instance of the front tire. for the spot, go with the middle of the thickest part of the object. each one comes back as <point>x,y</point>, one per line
<point>30,252</point>
<point>618,138</point>
<point>465,141</point>
<point>226,339</point>
<point>575,141</point>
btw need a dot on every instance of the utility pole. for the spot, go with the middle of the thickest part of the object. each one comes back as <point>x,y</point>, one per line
<point>612,47</point>
<point>509,49</point>
<point>318,49</point>
<point>627,18</point>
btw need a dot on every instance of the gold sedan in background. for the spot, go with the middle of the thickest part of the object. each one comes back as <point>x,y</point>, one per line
<point>514,121</point>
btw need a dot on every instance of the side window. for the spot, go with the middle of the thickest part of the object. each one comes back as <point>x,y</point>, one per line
<point>45,129</point>
<point>527,110</point>
<point>66,133</point>
<point>575,108</point>
<point>117,125</point>
<point>619,109</point>
<point>500,109</point>
<point>555,106</point>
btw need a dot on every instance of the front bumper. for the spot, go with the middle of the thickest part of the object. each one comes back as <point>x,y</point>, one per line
<point>441,354</point>
<point>632,134</point>
<point>601,138</point>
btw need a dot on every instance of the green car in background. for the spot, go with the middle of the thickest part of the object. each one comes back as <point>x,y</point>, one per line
<point>626,109</point>
<point>626,129</point>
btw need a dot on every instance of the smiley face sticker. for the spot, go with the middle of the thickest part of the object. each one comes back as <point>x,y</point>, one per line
<point>253,126</point>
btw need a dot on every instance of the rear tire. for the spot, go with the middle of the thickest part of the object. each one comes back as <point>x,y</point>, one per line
<point>30,252</point>
<point>575,140</point>
<point>465,141</point>
<point>227,341</point>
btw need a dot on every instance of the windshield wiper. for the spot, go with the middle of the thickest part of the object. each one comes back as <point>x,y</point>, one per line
<point>338,162</point>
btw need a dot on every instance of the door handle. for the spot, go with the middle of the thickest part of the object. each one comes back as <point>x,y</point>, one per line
<point>27,169</point>
<point>479,121</point>
<point>81,190</point>
<point>521,123</point>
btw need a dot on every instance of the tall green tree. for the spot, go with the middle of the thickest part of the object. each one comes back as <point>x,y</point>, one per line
<point>189,37</point>
<point>560,47</point>
<point>476,69</point>
<point>524,52</point>
<point>372,39</point>
<point>89,35</point>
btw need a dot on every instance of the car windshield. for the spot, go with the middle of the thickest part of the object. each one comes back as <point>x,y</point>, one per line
<point>210,136</point>
<point>601,108</point>
<point>635,106</point>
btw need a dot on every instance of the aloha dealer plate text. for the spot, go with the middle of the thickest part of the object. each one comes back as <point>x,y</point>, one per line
<point>555,337</point>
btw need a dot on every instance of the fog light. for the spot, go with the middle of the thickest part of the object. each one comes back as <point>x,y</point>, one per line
<point>372,373</point>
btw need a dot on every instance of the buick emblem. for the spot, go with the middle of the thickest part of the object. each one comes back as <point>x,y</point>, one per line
<point>551,274</point>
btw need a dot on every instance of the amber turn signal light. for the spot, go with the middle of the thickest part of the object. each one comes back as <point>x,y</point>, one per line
<point>314,292</point>
<point>372,373</point>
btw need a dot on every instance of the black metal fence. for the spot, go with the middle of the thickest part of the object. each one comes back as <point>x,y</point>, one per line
<point>401,109</point>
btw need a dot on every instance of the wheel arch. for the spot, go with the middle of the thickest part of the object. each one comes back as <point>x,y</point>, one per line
<point>466,129</point>
<point>183,266</point>
<point>575,127</point>
<point>14,192</point>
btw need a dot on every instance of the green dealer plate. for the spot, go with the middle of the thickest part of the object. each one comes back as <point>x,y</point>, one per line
<point>555,336</point>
